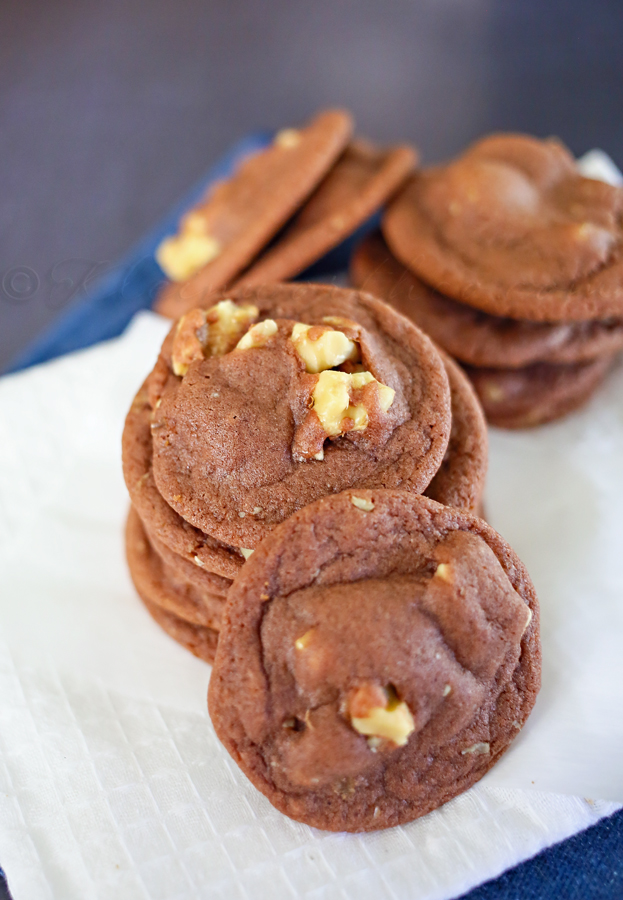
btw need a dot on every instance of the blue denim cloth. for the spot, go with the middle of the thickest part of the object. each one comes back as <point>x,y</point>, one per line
<point>588,866</point>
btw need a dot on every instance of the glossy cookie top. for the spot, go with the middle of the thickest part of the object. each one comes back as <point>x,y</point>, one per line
<point>287,393</point>
<point>513,228</point>
<point>378,653</point>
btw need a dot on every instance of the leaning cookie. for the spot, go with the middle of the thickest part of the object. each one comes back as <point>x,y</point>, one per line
<point>513,228</point>
<point>378,653</point>
<point>219,238</point>
<point>278,395</point>
<point>360,182</point>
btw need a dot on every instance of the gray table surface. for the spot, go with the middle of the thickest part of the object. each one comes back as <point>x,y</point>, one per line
<point>110,111</point>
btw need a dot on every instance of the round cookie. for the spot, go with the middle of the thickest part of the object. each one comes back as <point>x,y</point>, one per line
<point>160,520</point>
<point>512,227</point>
<point>523,398</point>
<point>378,654</point>
<point>236,445</point>
<point>460,480</point>
<point>470,335</point>
<point>360,182</point>
<point>241,215</point>
<point>158,586</point>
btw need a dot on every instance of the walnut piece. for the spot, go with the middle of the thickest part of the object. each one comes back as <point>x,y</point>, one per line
<point>227,322</point>
<point>287,138</point>
<point>302,642</point>
<point>479,749</point>
<point>189,341</point>
<point>182,254</point>
<point>209,332</point>
<point>331,401</point>
<point>495,394</point>
<point>362,503</point>
<point>321,347</point>
<point>378,713</point>
<point>444,572</point>
<point>332,411</point>
<point>257,335</point>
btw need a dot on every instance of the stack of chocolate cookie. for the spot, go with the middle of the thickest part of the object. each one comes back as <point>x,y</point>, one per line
<point>311,189</point>
<point>264,402</point>
<point>375,650</point>
<point>511,261</point>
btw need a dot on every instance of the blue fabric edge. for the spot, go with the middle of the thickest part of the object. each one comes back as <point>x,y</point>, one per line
<point>586,866</point>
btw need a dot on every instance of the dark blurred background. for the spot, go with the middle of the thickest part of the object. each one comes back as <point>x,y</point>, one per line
<point>109,111</point>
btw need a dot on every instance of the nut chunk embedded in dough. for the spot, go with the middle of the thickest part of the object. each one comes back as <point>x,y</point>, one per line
<point>321,347</point>
<point>340,403</point>
<point>190,340</point>
<point>378,713</point>
<point>257,335</point>
<point>209,332</point>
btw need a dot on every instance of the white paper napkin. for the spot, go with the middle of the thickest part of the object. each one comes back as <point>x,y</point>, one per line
<point>113,783</point>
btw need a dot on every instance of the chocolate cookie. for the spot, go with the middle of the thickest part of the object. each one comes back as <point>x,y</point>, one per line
<point>161,522</point>
<point>218,239</point>
<point>378,654</point>
<point>473,336</point>
<point>284,413</point>
<point>159,587</point>
<point>512,227</point>
<point>460,480</point>
<point>199,640</point>
<point>523,398</point>
<point>360,182</point>
<point>185,572</point>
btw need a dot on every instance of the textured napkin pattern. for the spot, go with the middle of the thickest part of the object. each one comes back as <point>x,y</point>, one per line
<point>113,783</point>
<point>110,796</point>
